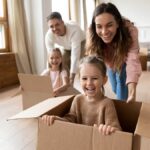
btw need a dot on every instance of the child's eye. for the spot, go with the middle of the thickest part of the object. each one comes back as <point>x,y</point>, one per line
<point>84,79</point>
<point>94,78</point>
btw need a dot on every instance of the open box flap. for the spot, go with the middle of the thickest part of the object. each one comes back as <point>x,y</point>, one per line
<point>43,107</point>
<point>36,83</point>
<point>30,98</point>
<point>143,124</point>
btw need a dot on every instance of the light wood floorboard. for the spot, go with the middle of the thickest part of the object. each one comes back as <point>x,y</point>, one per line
<point>15,134</point>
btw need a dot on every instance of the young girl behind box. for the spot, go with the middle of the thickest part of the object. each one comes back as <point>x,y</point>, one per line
<point>58,75</point>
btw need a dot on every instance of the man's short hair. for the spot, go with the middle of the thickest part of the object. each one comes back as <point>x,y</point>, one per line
<point>54,15</point>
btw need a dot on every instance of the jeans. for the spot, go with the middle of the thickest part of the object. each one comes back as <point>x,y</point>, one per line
<point>118,82</point>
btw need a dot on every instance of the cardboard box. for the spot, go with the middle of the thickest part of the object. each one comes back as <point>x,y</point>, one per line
<point>37,88</point>
<point>142,90</point>
<point>143,58</point>
<point>134,119</point>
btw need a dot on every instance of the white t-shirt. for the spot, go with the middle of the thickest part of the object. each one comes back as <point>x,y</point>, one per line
<point>70,41</point>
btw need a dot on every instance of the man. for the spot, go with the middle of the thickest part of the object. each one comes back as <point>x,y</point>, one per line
<point>67,35</point>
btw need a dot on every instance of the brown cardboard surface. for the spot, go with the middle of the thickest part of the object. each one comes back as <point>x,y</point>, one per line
<point>143,86</point>
<point>70,136</point>
<point>143,125</point>
<point>144,51</point>
<point>37,83</point>
<point>141,143</point>
<point>117,141</point>
<point>30,98</point>
<point>143,57</point>
<point>64,136</point>
<point>35,89</point>
<point>43,107</point>
<point>128,114</point>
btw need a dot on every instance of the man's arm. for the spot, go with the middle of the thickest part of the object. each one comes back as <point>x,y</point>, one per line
<point>49,42</point>
<point>72,76</point>
<point>75,57</point>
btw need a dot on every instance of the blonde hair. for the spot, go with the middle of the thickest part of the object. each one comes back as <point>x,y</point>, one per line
<point>121,42</point>
<point>97,62</point>
<point>59,52</point>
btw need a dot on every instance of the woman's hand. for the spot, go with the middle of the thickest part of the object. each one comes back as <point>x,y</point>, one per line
<point>105,129</point>
<point>131,92</point>
<point>49,120</point>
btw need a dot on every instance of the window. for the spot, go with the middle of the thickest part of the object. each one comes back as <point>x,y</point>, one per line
<point>3,26</point>
<point>63,8</point>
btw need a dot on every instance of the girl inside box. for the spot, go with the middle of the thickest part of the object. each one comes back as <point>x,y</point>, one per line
<point>93,107</point>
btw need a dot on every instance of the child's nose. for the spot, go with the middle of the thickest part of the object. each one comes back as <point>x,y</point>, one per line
<point>89,81</point>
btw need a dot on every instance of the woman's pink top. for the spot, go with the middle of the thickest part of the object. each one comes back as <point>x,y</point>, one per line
<point>133,64</point>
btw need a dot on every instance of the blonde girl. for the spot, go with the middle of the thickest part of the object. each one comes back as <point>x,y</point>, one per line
<point>58,75</point>
<point>92,108</point>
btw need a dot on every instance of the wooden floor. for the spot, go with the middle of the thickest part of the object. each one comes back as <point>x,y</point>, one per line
<point>15,134</point>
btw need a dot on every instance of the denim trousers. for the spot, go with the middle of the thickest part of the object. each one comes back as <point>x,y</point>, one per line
<point>118,82</point>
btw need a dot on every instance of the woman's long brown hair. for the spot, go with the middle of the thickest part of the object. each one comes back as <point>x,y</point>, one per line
<point>121,42</point>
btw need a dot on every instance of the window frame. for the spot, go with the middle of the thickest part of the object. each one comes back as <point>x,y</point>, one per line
<point>4,23</point>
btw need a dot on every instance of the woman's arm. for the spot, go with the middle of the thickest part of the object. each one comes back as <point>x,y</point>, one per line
<point>131,92</point>
<point>133,68</point>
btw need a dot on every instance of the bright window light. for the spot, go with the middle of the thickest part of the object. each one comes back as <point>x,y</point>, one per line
<point>1,9</point>
<point>2,39</point>
<point>62,7</point>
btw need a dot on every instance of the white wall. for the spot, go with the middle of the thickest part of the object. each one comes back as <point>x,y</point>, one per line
<point>137,11</point>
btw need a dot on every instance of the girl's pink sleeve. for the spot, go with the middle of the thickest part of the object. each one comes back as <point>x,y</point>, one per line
<point>64,73</point>
<point>133,68</point>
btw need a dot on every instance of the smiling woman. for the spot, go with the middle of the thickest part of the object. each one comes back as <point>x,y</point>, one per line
<point>115,39</point>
